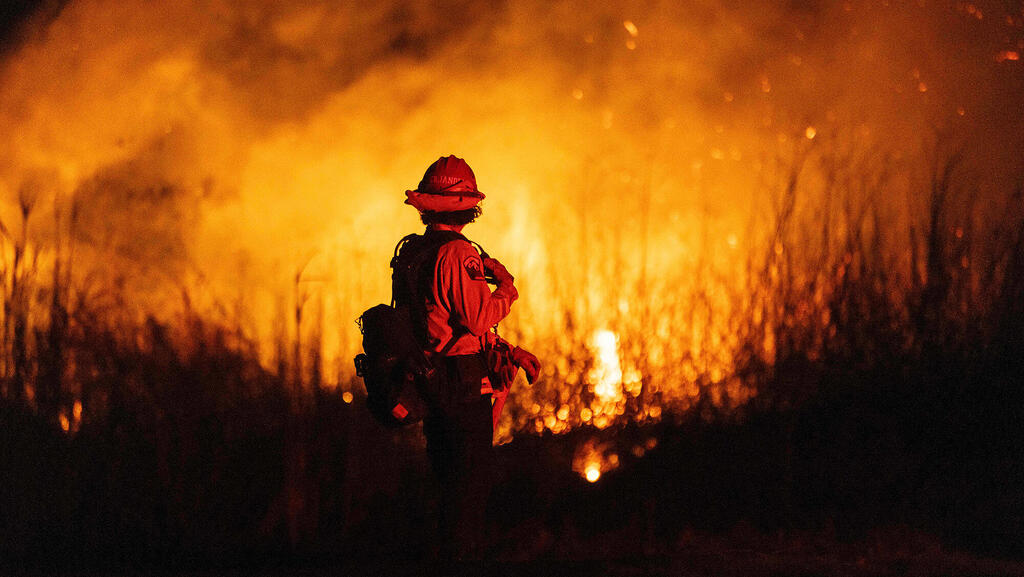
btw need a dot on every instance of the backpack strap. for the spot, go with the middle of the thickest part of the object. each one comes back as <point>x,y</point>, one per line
<point>394,262</point>
<point>456,335</point>
<point>410,277</point>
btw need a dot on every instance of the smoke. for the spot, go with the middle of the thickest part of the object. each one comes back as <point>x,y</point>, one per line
<point>254,154</point>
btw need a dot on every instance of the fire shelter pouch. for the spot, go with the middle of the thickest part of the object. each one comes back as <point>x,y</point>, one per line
<point>393,367</point>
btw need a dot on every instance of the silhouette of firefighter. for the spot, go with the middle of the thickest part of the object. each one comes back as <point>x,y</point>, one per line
<point>454,308</point>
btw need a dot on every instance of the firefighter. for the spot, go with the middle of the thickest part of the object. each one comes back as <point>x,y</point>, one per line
<point>460,308</point>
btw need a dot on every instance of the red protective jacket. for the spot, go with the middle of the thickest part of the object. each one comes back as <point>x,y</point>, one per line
<point>463,302</point>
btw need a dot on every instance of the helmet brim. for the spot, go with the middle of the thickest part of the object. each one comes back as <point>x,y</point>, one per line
<point>442,203</point>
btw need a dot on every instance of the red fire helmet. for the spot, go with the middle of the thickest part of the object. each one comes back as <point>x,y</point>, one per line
<point>448,185</point>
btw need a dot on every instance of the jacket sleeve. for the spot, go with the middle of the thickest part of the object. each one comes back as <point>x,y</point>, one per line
<point>462,290</point>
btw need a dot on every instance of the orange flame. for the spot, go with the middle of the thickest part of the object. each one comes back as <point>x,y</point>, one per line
<point>246,164</point>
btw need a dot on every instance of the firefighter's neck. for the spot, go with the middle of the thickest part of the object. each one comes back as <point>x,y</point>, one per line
<point>453,227</point>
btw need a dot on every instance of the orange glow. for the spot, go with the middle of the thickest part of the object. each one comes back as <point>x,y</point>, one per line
<point>638,192</point>
<point>606,374</point>
<point>593,459</point>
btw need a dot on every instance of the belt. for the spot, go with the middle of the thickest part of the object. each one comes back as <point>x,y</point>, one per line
<point>468,369</point>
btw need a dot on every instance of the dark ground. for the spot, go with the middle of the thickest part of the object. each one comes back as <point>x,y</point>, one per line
<point>701,557</point>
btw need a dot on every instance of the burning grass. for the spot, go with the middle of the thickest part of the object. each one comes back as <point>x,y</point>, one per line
<point>809,251</point>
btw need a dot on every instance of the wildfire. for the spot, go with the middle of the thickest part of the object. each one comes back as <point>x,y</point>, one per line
<point>593,459</point>
<point>606,375</point>
<point>247,166</point>
<point>70,424</point>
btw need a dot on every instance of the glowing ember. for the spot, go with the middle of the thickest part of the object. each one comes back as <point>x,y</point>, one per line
<point>346,397</point>
<point>810,133</point>
<point>593,459</point>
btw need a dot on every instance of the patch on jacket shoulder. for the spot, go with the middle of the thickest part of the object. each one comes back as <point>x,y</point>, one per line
<point>474,267</point>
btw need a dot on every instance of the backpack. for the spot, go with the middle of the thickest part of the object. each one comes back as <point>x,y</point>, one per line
<point>394,365</point>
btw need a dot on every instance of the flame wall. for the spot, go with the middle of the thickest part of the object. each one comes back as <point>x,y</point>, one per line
<point>252,155</point>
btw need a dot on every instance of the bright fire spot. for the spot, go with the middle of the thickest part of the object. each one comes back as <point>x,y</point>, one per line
<point>76,410</point>
<point>577,93</point>
<point>922,87</point>
<point>591,460</point>
<point>631,44</point>
<point>960,110</point>
<point>631,28</point>
<point>346,396</point>
<point>1008,55</point>
<point>606,375</point>
<point>810,133</point>
<point>65,424</point>
<point>732,240</point>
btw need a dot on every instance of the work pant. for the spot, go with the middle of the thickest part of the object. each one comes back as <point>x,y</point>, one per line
<point>459,443</point>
